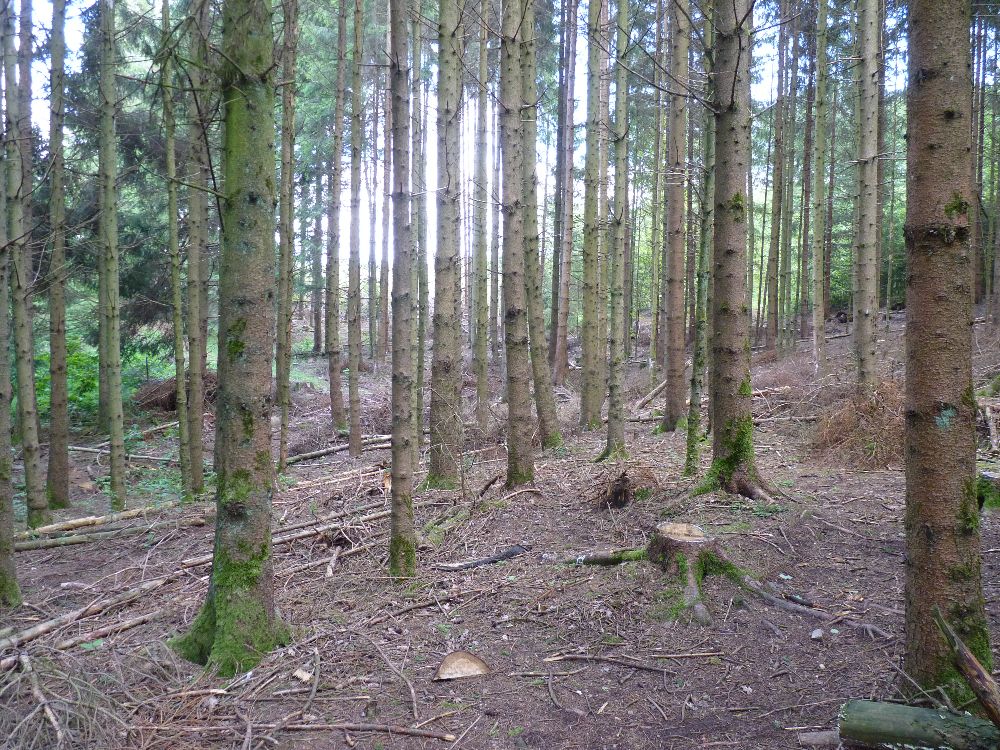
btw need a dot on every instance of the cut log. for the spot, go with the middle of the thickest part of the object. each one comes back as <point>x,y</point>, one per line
<point>981,682</point>
<point>682,549</point>
<point>873,724</point>
<point>609,557</point>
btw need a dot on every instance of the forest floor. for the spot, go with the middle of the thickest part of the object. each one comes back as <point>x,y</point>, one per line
<point>579,656</point>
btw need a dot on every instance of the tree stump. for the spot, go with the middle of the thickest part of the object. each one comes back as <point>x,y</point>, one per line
<point>683,550</point>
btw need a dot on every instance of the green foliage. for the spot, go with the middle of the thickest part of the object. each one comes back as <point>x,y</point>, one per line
<point>81,375</point>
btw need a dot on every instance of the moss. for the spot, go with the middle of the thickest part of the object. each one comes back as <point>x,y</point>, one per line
<point>745,389</point>
<point>434,532</point>
<point>517,476</point>
<point>737,205</point>
<point>737,454</point>
<point>10,592</point>
<point>710,564</point>
<point>643,493</point>
<point>987,495</point>
<point>40,517</point>
<point>668,605</point>
<point>555,440</point>
<point>234,341</point>
<point>435,482</point>
<point>616,452</point>
<point>235,488</point>
<point>402,557</point>
<point>969,398</point>
<point>196,644</point>
<point>957,206</point>
<point>55,503</point>
<point>970,625</point>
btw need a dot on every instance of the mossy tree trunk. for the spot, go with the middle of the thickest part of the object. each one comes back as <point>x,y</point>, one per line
<point>286,222</point>
<point>676,351</point>
<point>108,229</point>
<point>592,388</point>
<point>479,238</point>
<point>197,230</point>
<point>446,364</point>
<point>354,259</point>
<point>942,518</point>
<point>705,239</point>
<point>865,295</point>
<point>10,593</point>
<point>173,245</point>
<point>402,543</point>
<point>238,623</point>
<point>733,466</point>
<point>785,297</point>
<point>545,402</point>
<point>520,458</point>
<point>332,289</point>
<point>615,444</point>
<point>58,467</point>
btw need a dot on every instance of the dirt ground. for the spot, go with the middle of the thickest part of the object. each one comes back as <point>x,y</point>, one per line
<point>579,656</point>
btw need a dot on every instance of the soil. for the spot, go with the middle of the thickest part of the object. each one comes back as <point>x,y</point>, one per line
<point>579,656</point>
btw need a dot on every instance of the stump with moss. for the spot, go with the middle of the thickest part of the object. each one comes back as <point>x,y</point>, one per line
<point>684,550</point>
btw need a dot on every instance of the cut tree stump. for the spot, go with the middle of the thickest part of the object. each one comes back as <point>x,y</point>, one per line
<point>684,550</point>
<point>873,724</point>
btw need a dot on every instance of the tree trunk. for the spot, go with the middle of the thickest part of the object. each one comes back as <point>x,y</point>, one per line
<point>383,330</point>
<point>419,207</point>
<point>654,219</point>
<point>615,446</point>
<point>520,459</point>
<point>673,407</point>
<point>337,415</point>
<point>480,269</point>
<point>403,542</point>
<point>495,272</point>
<point>316,272</point>
<point>545,403</point>
<point>592,387</point>
<point>197,231</point>
<point>778,184</point>
<point>828,238</point>
<point>446,365</point>
<point>705,239</point>
<point>373,298</point>
<point>354,259</point>
<point>238,623</point>
<point>786,301</point>
<point>865,262</point>
<point>564,239</point>
<point>942,517</point>
<point>807,186</point>
<point>173,244</point>
<point>10,593</point>
<point>286,222</point>
<point>819,301</point>
<point>733,465</point>
<point>108,224</point>
<point>891,725</point>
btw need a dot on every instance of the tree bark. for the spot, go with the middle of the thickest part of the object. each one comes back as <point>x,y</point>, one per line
<point>480,207</point>
<point>418,180</point>
<point>337,415</point>
<point>238,623</point>
<point>58,467</point>
<point>778,185</point>
<point>892,725</point>
<point>865,262</point>
<point>520,458</point>
<point>819,196</point>
<point>402,544</point>
<point>354,259</point>
<point>675,392</point>
<point>197,230</point>
<point>286,222</point>
<point>383,329</point>
<point>592,387</point>
<point>733,464</point>
<point>446,364</point>
<point>173,244</point>
<point>942,516</point>
<point>316,272</point>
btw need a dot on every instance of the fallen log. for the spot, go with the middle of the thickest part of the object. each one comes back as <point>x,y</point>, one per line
<point>650,396</point>
<point>128,456</point>
<point>77,523</point>
<point>873,724</point>
<point>373,441</point>
<point>609,557</point>
<point>504,554</point>
<point>71,539</point>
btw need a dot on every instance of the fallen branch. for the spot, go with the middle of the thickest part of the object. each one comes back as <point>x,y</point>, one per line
<point>649,396</point>
<point>77,523</point>
<point>505,554</point>
<point>981,682</point>
<point>36,691</point>
<point>342,727</point>
<point>128,456</point>
<point>609,557</point>
<point>107,630</point>
<point>371,442</point>
<point>621,662</point>
<point>70,539</point>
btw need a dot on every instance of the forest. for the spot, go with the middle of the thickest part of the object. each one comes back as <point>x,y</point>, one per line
<point>499,374</point>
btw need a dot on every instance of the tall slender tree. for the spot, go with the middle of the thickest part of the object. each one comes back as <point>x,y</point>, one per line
<point>733,461</point>
<point>418,181</point>
<point>383,331</point>
<point>865,294</point>
<point>317,287</point>
<point>332,290</point>
<point>238,622</point>
<point>402,542</point>
<point>778,180</point>
<point>173,244</point>
<point>197,231</point>
<point>676,351</point>
<point>446,363</point>
<point>58,467</point>
<point>520,458</point>
<point>354,259</point>
<point>942,518</point>
<point>819,194</point>
<point>479,237</point>
<point>545,402</point>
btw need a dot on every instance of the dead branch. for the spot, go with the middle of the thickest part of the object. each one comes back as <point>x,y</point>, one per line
<point>980,680</point>
<point>504,554</point>
<point>77,523</point>
<point>107,630</point>
<point>36,691</point>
